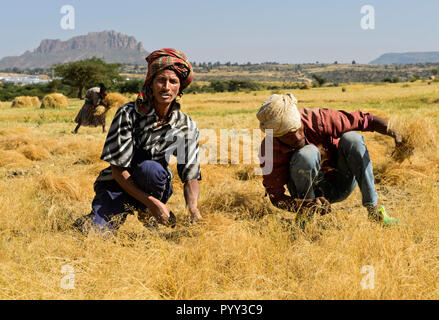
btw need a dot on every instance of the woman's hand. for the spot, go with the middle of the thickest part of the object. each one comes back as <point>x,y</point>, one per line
<point>195,215</point>
<point>159,210</point>
<point>191,191</point>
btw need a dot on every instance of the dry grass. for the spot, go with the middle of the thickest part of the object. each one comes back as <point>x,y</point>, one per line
<point>244,248</point>
<point>24,101</point>
<point>419,133</point>
<point>55,100</point>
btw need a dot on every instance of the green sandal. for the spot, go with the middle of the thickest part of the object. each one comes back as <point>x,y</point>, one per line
<point>387,220</point>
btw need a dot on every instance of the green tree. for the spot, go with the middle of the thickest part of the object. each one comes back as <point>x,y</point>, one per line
<point>219,86</point>
<point>89,72</point>
<point>130,86</point>
<point>320,80</point>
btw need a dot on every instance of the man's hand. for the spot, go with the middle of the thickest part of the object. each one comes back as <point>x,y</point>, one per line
<point>403,148</point>
<point>398,139</point>
<point>320,203</point>
<point>295,204</point>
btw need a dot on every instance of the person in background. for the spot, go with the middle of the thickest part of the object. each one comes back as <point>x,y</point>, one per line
<point>86,116</point>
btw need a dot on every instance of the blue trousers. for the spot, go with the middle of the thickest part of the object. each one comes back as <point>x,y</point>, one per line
<point>112,204</point>
<point>307,181</point>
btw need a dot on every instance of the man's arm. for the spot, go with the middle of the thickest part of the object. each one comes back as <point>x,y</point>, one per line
<point>156,207</point>
<point>381,125</point>
<point>191,192</point>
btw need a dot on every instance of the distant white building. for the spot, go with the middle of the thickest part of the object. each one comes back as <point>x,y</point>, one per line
<point>23,79</point>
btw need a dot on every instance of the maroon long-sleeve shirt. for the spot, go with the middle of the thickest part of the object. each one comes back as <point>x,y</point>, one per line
<point>322,128</point>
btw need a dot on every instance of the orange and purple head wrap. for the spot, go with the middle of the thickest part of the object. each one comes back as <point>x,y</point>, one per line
<point>159,60</point>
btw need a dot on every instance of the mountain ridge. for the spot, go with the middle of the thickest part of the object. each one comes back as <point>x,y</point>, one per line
<point>109,45</point>
<point>407,57</point>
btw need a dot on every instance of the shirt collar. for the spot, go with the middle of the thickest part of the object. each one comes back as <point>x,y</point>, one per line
<point>148,111</point>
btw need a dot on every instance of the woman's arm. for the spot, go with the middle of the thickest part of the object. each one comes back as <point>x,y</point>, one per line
<point>155,206</point>
<point>191,192</point>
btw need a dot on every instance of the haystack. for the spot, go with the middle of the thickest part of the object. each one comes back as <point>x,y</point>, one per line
<point>55,100</point>
<point>305,86</point>
<point>25,101</point>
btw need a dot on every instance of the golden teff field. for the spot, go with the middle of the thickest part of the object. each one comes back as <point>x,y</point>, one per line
<point>244,248</point>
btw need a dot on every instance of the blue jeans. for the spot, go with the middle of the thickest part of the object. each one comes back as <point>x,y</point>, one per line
<point>307,181</point>
<point>112,204</point>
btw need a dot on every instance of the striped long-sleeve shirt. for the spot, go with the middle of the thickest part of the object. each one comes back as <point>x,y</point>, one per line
<point>133,129</point>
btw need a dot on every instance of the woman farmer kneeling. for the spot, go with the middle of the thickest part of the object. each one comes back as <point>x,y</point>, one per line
<point>142,137</point>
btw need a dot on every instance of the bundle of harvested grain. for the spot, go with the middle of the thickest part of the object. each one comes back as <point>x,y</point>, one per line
<point>34,152</point>
<point>418,133</point>
<point>100,110</point>
<point>25,101</point>
<point>13,159</point>
<point>112,100</point>
<point>115,99</point>
<point>35,101</point>
<point>59,185</point>
<point>55,100</point>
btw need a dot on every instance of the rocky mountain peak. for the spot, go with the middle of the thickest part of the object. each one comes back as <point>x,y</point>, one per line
<point>110,45</point>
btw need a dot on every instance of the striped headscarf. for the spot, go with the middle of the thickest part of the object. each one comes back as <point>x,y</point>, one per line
<point>159,60</point>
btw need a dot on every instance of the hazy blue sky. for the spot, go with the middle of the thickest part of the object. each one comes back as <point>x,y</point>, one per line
<point>285,31</point>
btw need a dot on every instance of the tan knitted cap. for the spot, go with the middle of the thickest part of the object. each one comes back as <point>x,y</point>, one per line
<point>280,114</point>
